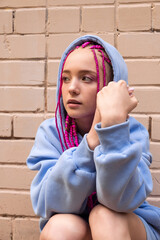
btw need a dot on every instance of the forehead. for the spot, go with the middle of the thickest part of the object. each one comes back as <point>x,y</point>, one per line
<point>81,57</point>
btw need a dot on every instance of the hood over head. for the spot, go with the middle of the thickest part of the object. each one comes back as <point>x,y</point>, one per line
<point>118,66</point>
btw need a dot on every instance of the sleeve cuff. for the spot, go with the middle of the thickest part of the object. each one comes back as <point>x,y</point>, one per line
<point>115,137</point>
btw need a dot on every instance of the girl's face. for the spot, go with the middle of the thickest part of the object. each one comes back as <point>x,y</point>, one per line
<point>79,88</point>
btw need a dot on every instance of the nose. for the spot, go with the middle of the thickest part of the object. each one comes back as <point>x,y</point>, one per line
<point>74,87</point>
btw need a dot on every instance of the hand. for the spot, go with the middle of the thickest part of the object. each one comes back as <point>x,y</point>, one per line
<point>115,102</point>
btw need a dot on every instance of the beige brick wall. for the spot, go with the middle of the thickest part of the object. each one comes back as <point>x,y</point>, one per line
<point>33,35</point>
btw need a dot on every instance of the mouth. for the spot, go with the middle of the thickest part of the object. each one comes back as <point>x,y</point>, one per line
<point>73,101</point>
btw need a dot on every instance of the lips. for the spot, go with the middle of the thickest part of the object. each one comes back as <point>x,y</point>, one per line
<point>73,101</point>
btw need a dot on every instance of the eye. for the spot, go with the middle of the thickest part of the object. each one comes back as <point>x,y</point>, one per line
<point>86,79</point>
<point>65,79</point>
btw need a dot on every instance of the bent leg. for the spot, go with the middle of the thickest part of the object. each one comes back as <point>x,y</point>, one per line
<point>110,225</point>
<point>66,227</point>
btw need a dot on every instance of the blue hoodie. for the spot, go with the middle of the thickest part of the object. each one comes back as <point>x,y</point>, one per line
<point>117,170</point>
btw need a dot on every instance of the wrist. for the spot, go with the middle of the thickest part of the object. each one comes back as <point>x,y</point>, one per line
<point>92,140</point>
<point>111,120</point>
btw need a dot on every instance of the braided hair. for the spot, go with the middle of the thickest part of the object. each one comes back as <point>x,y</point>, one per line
<point>69,136</point>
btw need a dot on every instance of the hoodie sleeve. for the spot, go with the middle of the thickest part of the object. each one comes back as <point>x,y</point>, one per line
<point>122,162</point>
<point>64,180</point>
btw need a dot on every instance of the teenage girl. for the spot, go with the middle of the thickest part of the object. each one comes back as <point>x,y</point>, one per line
<point>93,158</point>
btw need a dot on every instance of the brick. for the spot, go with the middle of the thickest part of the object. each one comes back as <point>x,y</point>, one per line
<point>139,44</point>
<point>134,18</point>
<point>15,177</point>
<point>108,37</point>
<point>5,228</point>
<point>99,18</point>
<point>155,150</point>
<point>149,98</point>
<point>136,1</point>
<point>143,119</point>
<point>30,46</point>
<point>21,99</point>
<point>60,19</point>
<point>78,2</point>
<point>143,72</point>
<point>156,182</point>
<point>18,150</point>
<point>156,17</point>
<point>31,123</point>
<point>5,125</point>
<point>154,201</point>
<point>155,131</point>
<point>24,72</point>
<point>49,115</point>
<point>5,21</point>
<point>30,20</point>
<point>22,3</point>
<point>51,99</point>
<point>26,228</point>
<point>53,66</point>
<point>16,203</point>
<point>58,43</point>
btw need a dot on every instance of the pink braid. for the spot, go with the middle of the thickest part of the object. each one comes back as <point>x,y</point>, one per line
<point>104,69</point>
<point>97,68</point>
<point>70,137</point>
<point>59,107</point>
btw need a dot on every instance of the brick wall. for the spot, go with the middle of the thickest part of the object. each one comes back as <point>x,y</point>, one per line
<point>33,35</point>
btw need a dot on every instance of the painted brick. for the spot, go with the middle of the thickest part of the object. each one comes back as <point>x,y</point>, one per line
<point>5,21</point>
<point>53,66</point>
<point>49,115</point>
<point>77,2</point>
<point>155,150</point>
<point>136,1</point>
<point>51,96</point>
<point>15,203</point>
<point>134,18</point>
<point>57,45</point>
<point>60,19</point>
<point>25,126</point>
<point>156,182</point>
<point>156,17</point>
<point>5,228</point>
<point>98,18</point>
<point>155,131</point>
<point>18,150</point>
<point>5,125</point>
<point>143,71</point>
<point>154,201</point>
<point>148,98</point>
<point>108,37</point>
<point>139,44</point>
<point>143,119</point>
<point>21,99</point>
<point>30,20</point>
<point>22,3</point>
<point>31,46</point>
<point>24,72</point>
<point>15,177</point>
<point>27,228</point>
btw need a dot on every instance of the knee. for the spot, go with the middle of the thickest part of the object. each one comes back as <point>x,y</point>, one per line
<point>66,227</point>
<point>100,214</point>
<point>106,222</point>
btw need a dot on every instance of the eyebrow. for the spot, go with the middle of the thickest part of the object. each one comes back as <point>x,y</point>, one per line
<point>81,72</point>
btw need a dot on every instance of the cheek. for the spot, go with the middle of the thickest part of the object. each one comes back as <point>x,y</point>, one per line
<point>92,98</point>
